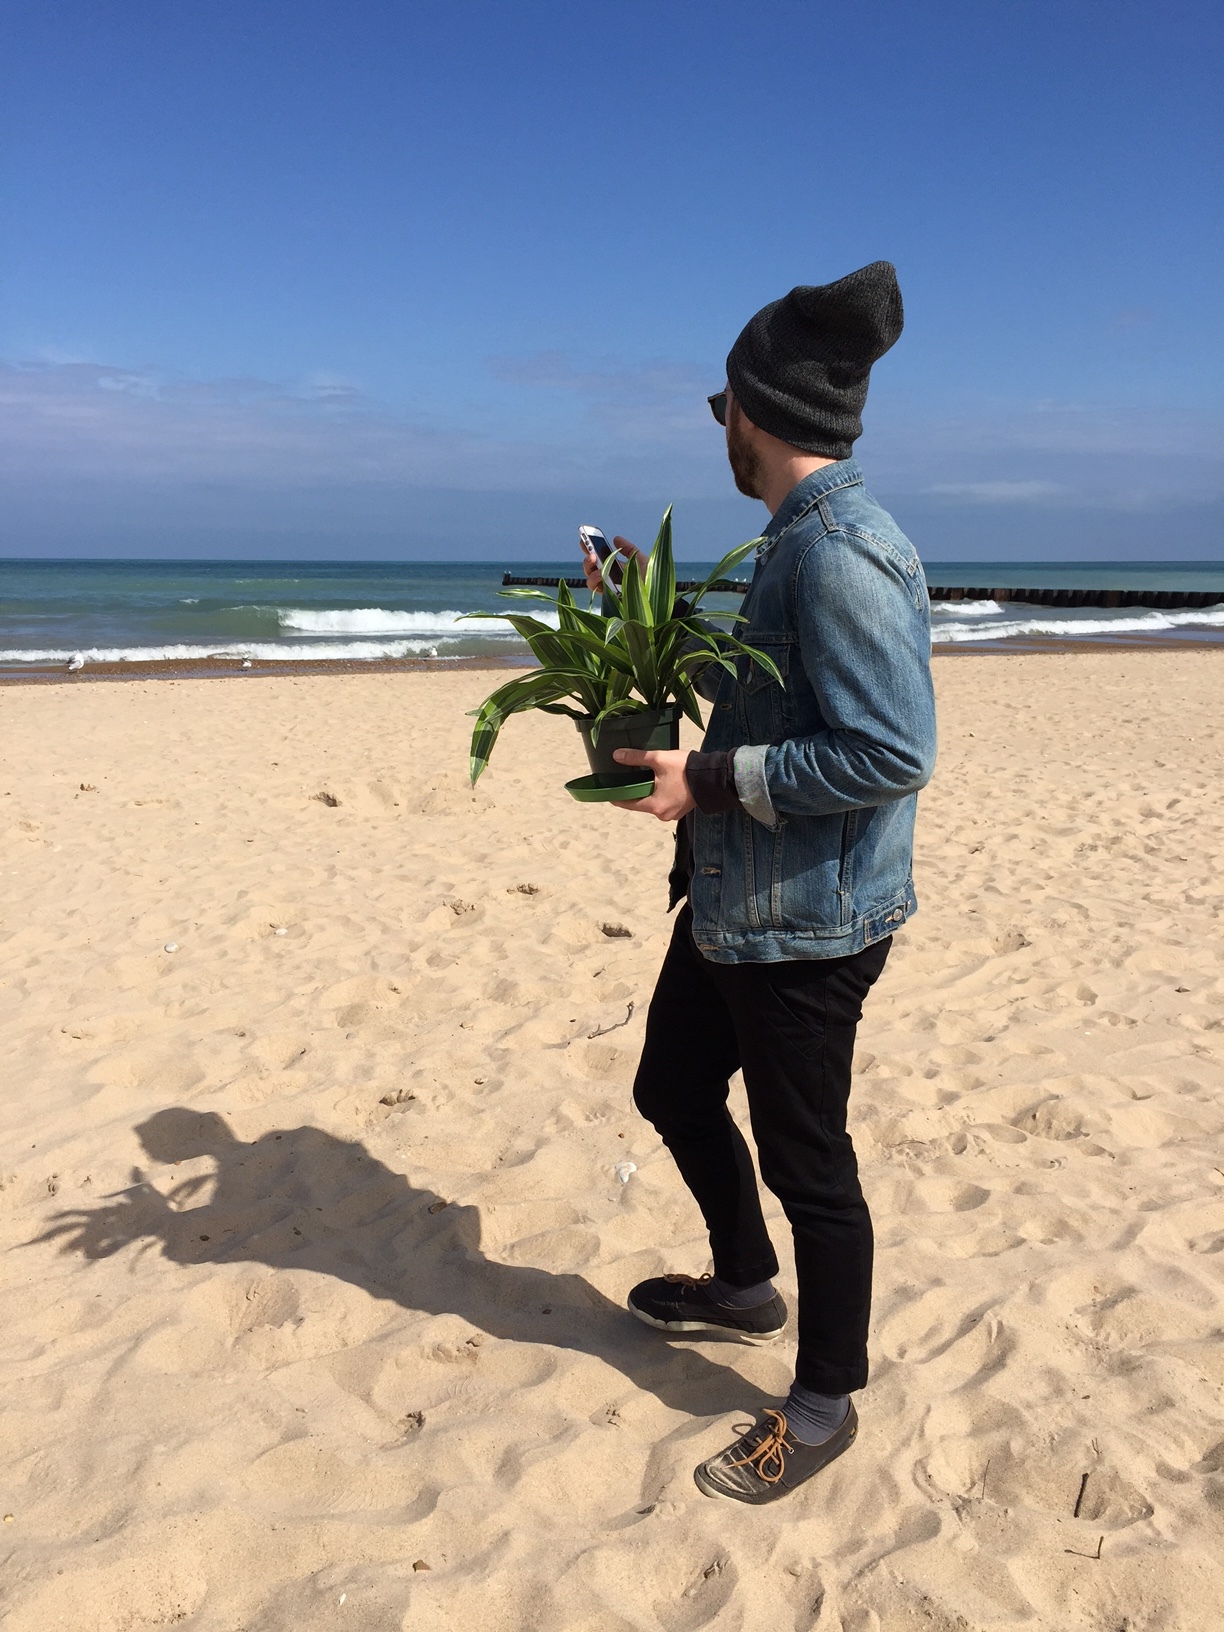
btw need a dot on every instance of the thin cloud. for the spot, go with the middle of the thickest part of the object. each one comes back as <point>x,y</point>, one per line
<point>606,380</point>
<point>86,420</point>
<point>1077,454</point>
<point>641,431</point>
<point>96,421</point>
<point>999,492</point>
<point>1132,317</point>
<point>645,406</point>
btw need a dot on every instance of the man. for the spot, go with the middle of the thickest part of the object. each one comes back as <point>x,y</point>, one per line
<point>794,851</point>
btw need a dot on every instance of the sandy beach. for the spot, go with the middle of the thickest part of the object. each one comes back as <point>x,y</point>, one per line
<point>317,1072</point>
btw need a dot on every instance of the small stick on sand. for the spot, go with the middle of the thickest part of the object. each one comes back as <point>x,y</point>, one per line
<point>602,1031</point>
<point>1076,1552</point>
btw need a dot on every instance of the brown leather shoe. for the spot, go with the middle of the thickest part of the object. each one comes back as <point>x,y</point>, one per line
<point>768,1462</point>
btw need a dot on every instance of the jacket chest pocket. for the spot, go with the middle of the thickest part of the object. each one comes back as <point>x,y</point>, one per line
<point>761,698</point>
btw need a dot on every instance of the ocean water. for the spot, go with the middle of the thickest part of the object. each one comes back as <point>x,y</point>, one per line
<point>146,612</point>
<point>53,613</point>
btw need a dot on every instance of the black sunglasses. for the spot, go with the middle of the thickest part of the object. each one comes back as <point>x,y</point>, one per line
<point>718,406</point>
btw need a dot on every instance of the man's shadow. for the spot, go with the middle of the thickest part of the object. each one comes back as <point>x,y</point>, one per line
<point>300,1198</point>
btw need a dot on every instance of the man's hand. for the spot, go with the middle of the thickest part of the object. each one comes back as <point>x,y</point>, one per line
<point>590,563</point>
<point>671,798</point>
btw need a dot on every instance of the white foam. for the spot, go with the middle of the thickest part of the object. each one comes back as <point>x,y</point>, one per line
<point>375,620</point>
<point>973,621</point>
<point>263,651</point>
<point>1010,621</point>
<point>966,609</point>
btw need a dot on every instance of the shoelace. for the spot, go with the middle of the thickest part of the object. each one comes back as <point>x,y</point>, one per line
<point>689,1280</point>
<point>770,1453</point>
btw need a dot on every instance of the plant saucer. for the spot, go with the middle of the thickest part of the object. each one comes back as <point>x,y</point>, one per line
<point>604,786</point>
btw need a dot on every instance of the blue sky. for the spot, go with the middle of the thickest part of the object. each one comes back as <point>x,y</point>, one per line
<point>381,279</point>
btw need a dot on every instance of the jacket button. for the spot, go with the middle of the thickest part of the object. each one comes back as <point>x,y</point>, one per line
<point>724,705</point>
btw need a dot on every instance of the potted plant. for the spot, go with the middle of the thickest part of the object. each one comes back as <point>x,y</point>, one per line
<point>624,676</point>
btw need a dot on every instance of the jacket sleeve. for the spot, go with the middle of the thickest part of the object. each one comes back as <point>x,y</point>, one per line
<point>865,647</point>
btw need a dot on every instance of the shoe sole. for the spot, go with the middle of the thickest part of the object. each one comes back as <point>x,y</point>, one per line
<point>756,1338</point>
<point>708,1487</point>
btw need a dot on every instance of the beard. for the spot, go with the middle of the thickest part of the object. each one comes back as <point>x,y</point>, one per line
<point>745,463</point>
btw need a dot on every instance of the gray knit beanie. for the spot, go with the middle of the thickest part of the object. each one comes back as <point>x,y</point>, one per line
<point>799,368</point>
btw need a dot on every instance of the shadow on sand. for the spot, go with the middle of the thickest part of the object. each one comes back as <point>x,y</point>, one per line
<point>299,1198</point>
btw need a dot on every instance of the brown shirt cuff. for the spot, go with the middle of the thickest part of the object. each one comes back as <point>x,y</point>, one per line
<point>711,780</point>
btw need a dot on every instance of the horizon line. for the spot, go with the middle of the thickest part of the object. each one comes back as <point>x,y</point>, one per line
<point>544,561</point>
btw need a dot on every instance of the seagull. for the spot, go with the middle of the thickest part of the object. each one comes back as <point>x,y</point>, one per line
<point>76,661</point>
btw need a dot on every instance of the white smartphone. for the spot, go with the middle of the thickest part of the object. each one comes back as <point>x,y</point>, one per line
<point>594,543</point>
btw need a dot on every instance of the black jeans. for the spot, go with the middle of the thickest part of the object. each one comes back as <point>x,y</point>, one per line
<point>790,1028</point>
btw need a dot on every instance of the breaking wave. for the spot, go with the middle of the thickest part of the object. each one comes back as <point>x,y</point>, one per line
<point>990,620</point>
<point>375,620</point>
<point>281,651</point>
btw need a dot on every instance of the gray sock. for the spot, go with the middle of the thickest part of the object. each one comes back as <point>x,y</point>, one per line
<point>812,1417</point>
<point>739,1297</point>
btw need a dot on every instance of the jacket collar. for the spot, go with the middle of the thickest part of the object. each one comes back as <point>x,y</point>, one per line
<point>804,494</point>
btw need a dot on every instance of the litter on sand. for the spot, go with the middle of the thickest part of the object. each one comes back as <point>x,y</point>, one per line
<point>624,1170</point>
<point>170,946</point>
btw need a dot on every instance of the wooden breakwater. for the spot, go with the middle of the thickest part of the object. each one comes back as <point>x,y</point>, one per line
<point>722,586</point>
<point>1166,600</point>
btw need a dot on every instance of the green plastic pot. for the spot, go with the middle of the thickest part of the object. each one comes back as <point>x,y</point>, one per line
<point>647,729</point>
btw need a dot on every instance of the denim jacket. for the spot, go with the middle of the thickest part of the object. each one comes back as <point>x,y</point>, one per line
<point>817,861</point>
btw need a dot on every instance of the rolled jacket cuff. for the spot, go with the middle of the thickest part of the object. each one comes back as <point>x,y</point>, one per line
<point>749,768</point>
